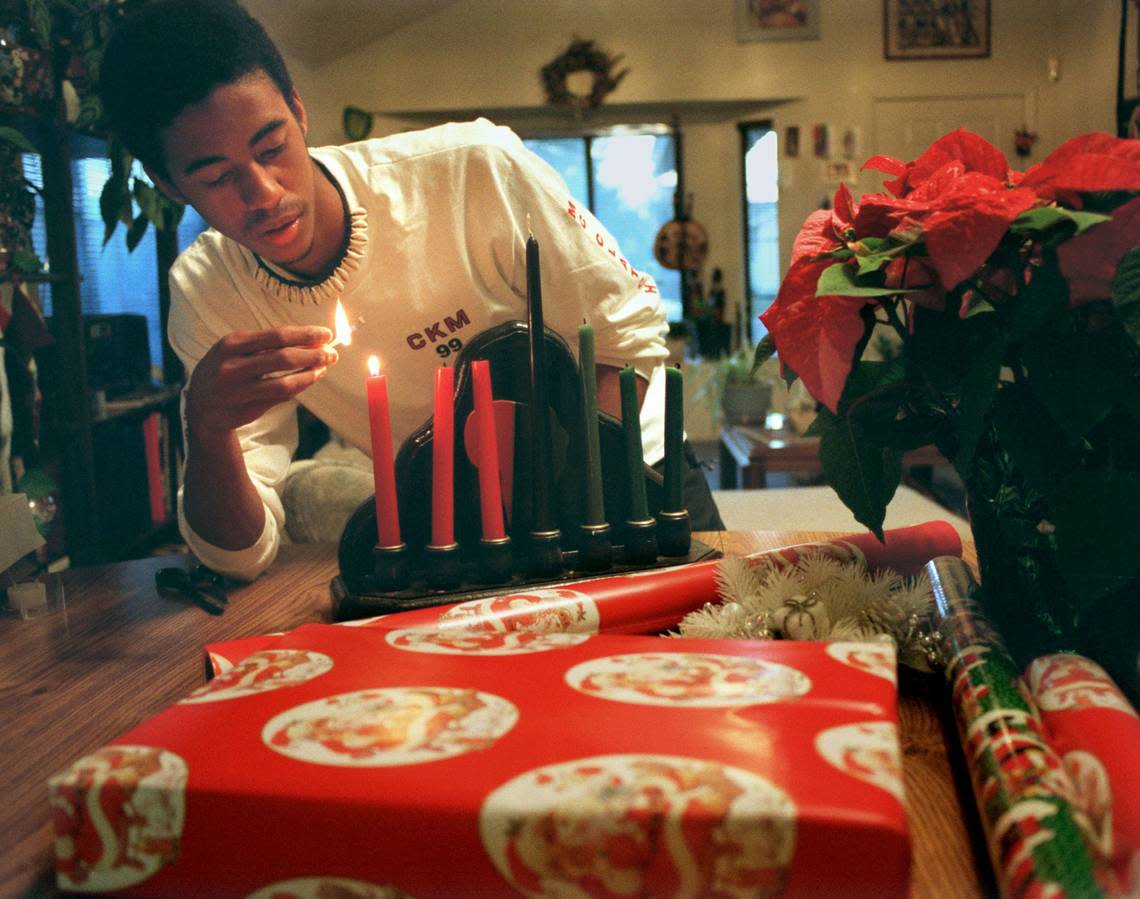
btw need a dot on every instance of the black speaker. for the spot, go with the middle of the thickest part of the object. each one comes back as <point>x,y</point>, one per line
<point>118,353</point>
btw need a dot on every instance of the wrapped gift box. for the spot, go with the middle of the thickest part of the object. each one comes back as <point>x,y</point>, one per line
<point>414,761</point>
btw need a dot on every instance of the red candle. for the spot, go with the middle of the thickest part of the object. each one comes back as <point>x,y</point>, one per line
<point>383,463</point>
<point>443,459</point>
<point>490,497</point>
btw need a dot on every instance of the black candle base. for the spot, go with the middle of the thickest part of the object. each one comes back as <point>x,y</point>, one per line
<point>442,566</point>
<point>390,566</point>
<point>595,548</point>
<point>674,533</point>
<point>641,542</point>
<point>545,553</point>
<point>496,560</point>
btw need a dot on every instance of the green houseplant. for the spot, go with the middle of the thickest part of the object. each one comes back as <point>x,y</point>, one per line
<point>1015,300</point>
<point>744,391</point>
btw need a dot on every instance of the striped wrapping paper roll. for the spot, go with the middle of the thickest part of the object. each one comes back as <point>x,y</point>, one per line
<point>1096,732</point>
<point>1038,837</point>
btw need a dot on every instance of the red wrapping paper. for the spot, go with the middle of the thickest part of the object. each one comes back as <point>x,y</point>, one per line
<point>365,759</point>
<point>646,602</point>
<point>1096,732</point>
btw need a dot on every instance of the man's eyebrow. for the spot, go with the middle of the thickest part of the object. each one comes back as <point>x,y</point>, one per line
<point>258,135</point>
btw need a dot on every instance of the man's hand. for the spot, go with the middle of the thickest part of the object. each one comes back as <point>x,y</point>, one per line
<point>241,377</point>
<point>246,373</point>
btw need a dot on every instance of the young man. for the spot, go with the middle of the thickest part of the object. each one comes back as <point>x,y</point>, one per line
<point>420,236</point>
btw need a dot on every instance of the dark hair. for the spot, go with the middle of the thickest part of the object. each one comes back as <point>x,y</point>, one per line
<point>170,55</point>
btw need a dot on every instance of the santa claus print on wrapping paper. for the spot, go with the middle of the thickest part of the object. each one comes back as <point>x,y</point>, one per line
<point>534,621</point>
<point>270,669</point>
<point>390,726</point>
<point>639,825</point>
<point>688,679</point>
<point>119,815</point>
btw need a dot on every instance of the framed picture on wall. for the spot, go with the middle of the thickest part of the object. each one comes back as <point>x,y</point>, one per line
<point>777,20</point>
<point>936,29</point>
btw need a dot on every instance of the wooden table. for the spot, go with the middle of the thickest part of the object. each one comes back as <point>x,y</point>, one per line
<point>749,452</point>
<point>118,653</point>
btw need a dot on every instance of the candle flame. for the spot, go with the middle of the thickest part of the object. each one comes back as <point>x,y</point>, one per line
<point>529,233</point>
<point>374,366</point>
<point>343,329</point>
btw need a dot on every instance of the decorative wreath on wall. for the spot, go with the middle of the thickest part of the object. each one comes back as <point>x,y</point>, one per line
<point>581,56</point>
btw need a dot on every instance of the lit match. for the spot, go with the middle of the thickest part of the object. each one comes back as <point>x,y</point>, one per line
<point>343,330</point>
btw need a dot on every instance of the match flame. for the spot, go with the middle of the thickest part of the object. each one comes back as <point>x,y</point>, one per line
<point>374,366</point>
<point>343,330</point>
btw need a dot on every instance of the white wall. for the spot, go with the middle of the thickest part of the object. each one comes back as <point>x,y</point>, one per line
<point>487,54</point>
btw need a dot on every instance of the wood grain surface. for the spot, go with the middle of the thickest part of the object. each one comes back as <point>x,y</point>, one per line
<point>117,653</point>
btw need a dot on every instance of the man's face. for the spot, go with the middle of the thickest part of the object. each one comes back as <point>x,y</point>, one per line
<point>239,158</point>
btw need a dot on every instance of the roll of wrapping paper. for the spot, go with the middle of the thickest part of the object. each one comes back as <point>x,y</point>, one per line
<point>1037,836</point>
<point>641,602</point>
<point>1096,731</point>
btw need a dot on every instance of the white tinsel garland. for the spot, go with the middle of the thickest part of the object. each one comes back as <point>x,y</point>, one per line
<point>819,599</point>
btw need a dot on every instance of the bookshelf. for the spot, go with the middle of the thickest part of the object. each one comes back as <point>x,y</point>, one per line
<point>116,467</point>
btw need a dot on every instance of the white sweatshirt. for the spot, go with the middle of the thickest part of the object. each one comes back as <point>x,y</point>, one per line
<point>436,255</point>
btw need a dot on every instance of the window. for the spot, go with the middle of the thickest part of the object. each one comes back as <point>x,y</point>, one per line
<point>762,246</point>
<point>113,279</point>
<point>627,178</point>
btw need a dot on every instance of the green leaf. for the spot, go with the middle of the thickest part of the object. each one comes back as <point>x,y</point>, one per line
<point>1078,373</point>
<point>1045,217</point>
<point>110,203</point>
<point>840,280</point>
<point>863,472</point>
<point>1036,445</point>
<point>880,253</point>
<point>150,204</point>
<point>17,139</point>
<point>1043,300</point>
<point>40,17</point>
<point>1126,292</point>
<point>27,262</point>
<point>136,231</point>
<point>1095,516</point>
<point>765,350</point>
<point>984,350</point>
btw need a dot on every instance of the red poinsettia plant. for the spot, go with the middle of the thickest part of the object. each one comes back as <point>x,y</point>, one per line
<point>1011,301</point>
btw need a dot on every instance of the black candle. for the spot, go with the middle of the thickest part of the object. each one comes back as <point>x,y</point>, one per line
<point>674,499</point>
<point>539,420</point>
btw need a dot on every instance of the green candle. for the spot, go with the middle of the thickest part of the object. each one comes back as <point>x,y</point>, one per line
<point>634,456</point>
<point>674,441</point>
<point>595,509</point>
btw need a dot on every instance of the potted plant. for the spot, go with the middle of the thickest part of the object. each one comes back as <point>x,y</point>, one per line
<point>1015,301</point>
<point>744,391</point>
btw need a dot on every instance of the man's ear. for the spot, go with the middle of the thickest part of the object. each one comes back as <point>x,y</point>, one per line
<point>298,108</point>
<point>165,186</point>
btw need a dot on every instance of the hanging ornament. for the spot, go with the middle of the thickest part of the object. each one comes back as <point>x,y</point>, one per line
<point>802,617</point>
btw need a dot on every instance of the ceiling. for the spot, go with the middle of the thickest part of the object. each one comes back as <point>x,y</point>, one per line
<point>318,31</point>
